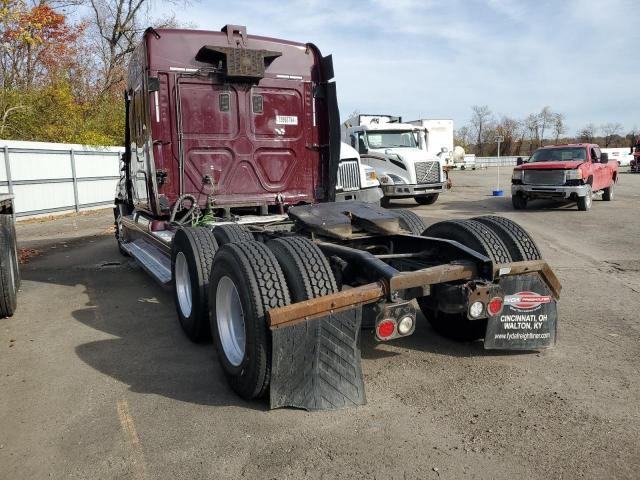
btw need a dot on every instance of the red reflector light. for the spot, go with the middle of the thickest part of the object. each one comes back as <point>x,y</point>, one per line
<point>494,306</point>
<point>386,329</point>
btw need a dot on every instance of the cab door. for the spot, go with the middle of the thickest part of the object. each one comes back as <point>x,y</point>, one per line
<point>599,170</point>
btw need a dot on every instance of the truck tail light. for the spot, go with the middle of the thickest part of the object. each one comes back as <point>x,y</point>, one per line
<point>386,329</point>
<point>494,306</point>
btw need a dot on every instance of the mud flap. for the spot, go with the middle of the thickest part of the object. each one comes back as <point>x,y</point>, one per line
<point>528,320</point>
<point>316,364</point>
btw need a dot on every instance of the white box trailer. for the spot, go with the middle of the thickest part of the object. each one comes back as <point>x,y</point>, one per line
<point>622,155</point>
<point>439,135</point>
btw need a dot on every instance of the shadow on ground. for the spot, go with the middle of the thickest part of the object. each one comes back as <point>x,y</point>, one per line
<point>147,350</point>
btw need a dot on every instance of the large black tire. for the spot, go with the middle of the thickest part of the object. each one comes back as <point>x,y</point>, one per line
<point>519,243</point>
<point>260,285</point>
<point>608,193</point>
<point>195,246</point>
<point>519,202</point>
<point>385,202</point>
<point>584,203</point>
<point>231,233</point>
<point>427,199</point>
<point>410,222</point>
<point>8,286</point>
<point>7,221</point>
<point>482,239</point>
<point>305,268</point>
<point>474,235</point>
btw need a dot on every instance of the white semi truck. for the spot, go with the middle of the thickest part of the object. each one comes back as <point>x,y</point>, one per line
<point>356,181</point>
<point>398,153</point>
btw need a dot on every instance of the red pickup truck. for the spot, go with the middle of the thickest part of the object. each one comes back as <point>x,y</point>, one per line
<point>573,171</point>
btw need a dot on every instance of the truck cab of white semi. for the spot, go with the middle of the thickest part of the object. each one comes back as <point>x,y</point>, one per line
<point>356,181</point>
<point>398,153</point>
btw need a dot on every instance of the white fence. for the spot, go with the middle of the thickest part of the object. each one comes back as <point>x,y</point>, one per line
<point>482,162</point>
<point>55,177</point>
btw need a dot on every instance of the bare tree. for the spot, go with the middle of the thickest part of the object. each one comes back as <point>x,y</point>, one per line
<point>532,126</point>
<point>545,118</point>
<point>480,117</point>
<point>118,25</point>
<point>610,131</point>
<point>558,126</point>
<point>463,137</point>
<point>587,133</point>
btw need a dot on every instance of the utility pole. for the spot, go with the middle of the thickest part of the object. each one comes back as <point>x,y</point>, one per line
<point>497,192</point>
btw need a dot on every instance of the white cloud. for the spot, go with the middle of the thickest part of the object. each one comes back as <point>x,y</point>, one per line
<point>437,58</point>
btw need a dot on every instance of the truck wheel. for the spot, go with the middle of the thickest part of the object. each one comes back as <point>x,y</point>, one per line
<point>231,233</point>
<point>305,268</point>
<point>480,238</point>
<point>519,243</point>
<point>584,203</point>
<point>6,220</point>
<point>8,285</point>
<point>474,235</point>
<point>246,282</point>
<point>427,199</point>
<point>519,202</point>
<point>410,222</point>
<point>192,252</point>
<point>607,193</point>
<point>385,202</point>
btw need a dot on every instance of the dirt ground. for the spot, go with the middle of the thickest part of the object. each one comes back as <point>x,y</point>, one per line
<point>97,380</point>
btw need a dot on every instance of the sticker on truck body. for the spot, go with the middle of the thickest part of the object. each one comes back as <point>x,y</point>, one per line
<point>286,120</point>
<point>528,320</point>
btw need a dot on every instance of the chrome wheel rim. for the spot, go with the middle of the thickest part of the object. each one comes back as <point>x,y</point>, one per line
<point>230,320</point>
<point>12,268</point>
<point>183,285</point>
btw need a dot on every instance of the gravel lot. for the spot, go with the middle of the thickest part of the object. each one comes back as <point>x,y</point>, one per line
<point>97,380</point>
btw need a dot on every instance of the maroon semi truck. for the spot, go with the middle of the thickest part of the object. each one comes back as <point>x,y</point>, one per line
<point>227,196</point>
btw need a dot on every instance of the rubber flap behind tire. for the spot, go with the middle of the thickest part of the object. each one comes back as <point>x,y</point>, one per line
<point>316,363</point>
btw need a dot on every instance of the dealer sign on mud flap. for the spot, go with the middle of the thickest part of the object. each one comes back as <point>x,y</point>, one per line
<point>528,320</point>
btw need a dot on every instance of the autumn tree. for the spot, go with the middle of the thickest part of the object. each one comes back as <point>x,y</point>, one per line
<point>37,44</point>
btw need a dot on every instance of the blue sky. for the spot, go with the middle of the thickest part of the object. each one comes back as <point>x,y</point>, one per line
<point>435,59</point>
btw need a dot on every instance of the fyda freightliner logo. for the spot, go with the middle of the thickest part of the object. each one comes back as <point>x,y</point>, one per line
<point>526,301</point>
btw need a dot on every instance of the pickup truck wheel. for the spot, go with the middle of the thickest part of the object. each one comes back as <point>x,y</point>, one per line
<point>231,233</point>
<point>427,199</point>
<point>584,203</point>
<point>519,202</point>
<point>305,268</point>
<point>192,252</point>
<point>482,239</point>
<point>410,222</point>
<point>519,243</point>
<point>6,220</point>
<point>8,285</point>
<point>607,193</point>
<point>246,282</point>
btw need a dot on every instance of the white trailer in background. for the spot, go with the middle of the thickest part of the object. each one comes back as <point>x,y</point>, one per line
<point>439,137</point>
<point>622,155</point>
<point>398,153</point>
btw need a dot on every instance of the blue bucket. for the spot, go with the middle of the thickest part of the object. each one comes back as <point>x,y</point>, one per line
<point>498,193</point>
